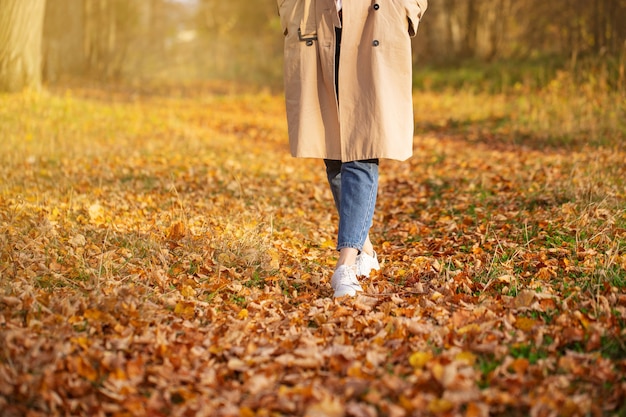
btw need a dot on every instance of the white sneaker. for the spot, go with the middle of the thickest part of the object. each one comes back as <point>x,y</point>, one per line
<point>365,263</point>
<point>344,281</point>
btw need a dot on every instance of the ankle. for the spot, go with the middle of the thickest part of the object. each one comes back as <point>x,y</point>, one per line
<point>347,256</point>
<point>368,250</point>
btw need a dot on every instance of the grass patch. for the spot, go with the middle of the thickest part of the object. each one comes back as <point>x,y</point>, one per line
<point>613,348</point>
<point>528,351</point>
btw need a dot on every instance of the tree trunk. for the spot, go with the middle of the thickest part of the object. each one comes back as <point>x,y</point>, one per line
<point>111,27</point>
<point>471,30</point>
<point>63,52</point>
<point>21,29</point>
<point>498,30</point>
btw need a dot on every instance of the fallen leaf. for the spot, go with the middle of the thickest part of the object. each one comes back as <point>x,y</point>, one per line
<point>525,324</point>
<point>524,298</point>
<point>420,359</point>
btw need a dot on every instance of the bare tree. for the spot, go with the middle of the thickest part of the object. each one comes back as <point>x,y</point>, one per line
<point>63,34</point>
<point>240,39</point>
<point>21,26</point>
<point>608,25</point>
<point>472,18</point>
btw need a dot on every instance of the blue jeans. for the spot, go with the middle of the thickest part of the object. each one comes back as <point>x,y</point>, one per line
<point>354,186</point>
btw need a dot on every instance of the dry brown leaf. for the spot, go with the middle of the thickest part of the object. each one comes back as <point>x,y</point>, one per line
<point>524,298</point>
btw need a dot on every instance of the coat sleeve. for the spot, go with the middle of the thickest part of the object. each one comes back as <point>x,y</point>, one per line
<point>299,14</point>
<point>286,11</point>
<point>415,11</point>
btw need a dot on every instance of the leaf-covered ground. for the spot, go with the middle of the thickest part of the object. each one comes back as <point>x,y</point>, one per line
<point>162,254</point>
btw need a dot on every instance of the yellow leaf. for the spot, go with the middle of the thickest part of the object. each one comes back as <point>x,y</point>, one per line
<point>94,315</point>
<point>81,341</point>
<point>84,369</point>
<point>420,359</point>
<point>216,350</point>
<point>436,296</point>
<point>184,309</point>
<point>118,374</point>
<point>467,357</point>
<point>275,259</point>
<point>477,250</point>
<point>224,258</point>
<point>176,231</point>
<point>246,412</point>
<point>187,291</point>
<point>438,371</point>
<point>440,405</point>
<point>328,244</point>
<point>473,327</point>
<point>583,321</point>
<point>525,323</point>
<point>405,402</point>
<point>355,371</point>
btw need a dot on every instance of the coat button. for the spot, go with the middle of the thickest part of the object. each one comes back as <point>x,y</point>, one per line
<point>376,6</point>
<point>309,42</point>
<point>376,42</point>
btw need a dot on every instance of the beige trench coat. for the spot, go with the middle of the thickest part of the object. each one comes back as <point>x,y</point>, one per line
<point>373,116</point>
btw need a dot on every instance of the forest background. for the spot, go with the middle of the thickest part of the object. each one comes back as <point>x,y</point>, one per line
<point>496,42</point>
<point>162,254</point>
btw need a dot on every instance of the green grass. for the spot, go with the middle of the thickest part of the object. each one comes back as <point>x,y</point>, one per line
<point>543,103</point>
<point>613,347</point>
<point>509,75</point>
<point>528,351</point>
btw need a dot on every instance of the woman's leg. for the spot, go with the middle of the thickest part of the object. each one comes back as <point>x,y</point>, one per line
<point>355,186</point>
<point>359,186</point>
<point>333,173</point>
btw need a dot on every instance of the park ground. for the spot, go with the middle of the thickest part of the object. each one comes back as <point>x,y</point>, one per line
<point>162,254</point>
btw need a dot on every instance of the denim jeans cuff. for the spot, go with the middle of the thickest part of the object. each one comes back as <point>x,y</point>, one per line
<point>356,246</point>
